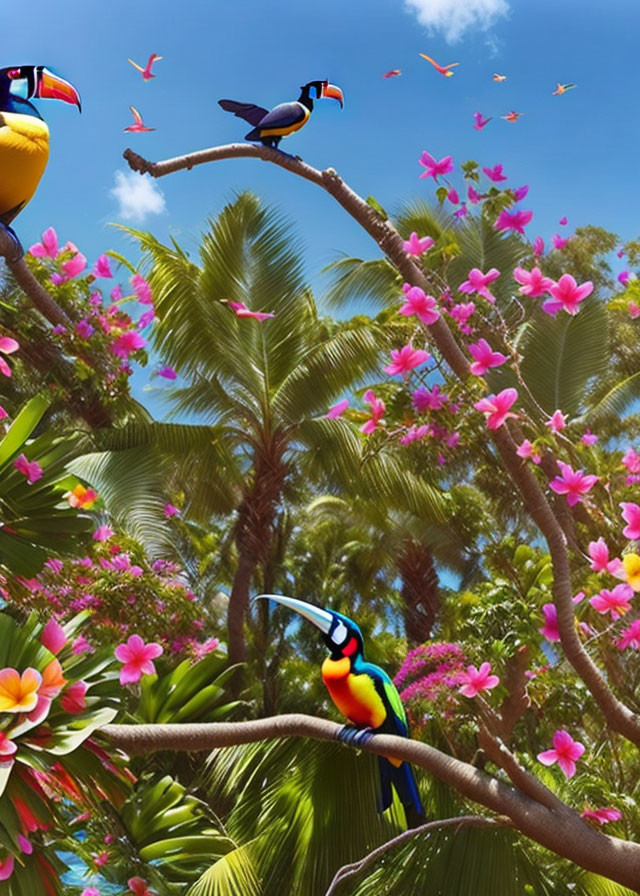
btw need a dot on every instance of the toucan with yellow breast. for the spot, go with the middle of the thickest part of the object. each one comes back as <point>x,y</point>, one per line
<point>366,695</point>
<point>269,127</point>
<point>24,136</point>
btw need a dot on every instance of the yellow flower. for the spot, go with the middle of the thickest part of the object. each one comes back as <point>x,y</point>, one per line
<point>19,693</point>
<point>82,497</point>
<point>631,563</point>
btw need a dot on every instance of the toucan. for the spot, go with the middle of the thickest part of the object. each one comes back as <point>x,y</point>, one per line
<point>366,695</point>
<point>24,136</point>
<point>270,127</point>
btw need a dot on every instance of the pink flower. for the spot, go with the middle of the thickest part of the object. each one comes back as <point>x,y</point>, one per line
<point>81,645</point>
<point>31,469</point>
<point>74,266</point>
<point>413,434</point>
<point>167,372</point>
<point>537,246</point>
<point>550,628</point>
<point>141,289</point>
<point>634,310</point>
<point>171,510</point>
<point>631,460</point>
<point>127,343</point>
<point>417,245</point>
<point>615,602</point>
<point>599,553</point>
<point>137,659</point>
<point>241,310</point>
<point>138,886</point>
<point>473,195</point>
<point>517,220</point>
<point>377,412</point>
<point>48,248</point>
<point>73,700</point>
<point>84,329</point>
<point>521,192</point>
<point>485,357</point>
<point>566,752</point>
<point>461,314</point>
<point>559,242</point>
<point>417,302</point>
<point>562,222</point>
<point>101,859</point>
<point>3,413</point>
<point>6,867</point>
<point>623,277</point>
<point>435,168</point>
<point>206,647</point>
<point>631,515</point>
<point>433,400</point>
<point>90,891</point>
<point>533,282</point>
<point>102,268</point>
<point>630,637</point>
<point>478,283</point>
<point>8,749</point>
<point>7,347</point>
<point>475,680</point>
<point>567,294</point>
<point>495,174</point>
<point>452,196</point>
<point>557,422</point>
<point>526,450</point>
<point>102,533</point>
<point>337,410</point>
<point>146,318</point>
<point>572,483</point>
<point>496,407</point>
<point>461,212</point>
<point>26,847</point>
<point>53,637</point>
<point>116,293</point>
<point>405,359</point>
<point>602,816</point>
<point>589,438</point>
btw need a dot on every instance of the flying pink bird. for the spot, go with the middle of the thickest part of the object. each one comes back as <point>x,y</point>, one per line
<point>499,78</point>
<point>512,116</point>
<point>562,88</point>
<point>241,310</point>
<point>137,127</point>
<point>443,69</point>
<point>480,122</point>
<point>394,73</point>
<point>146,71</point>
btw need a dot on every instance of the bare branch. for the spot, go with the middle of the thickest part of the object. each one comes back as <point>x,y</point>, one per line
<point>560,830</point>
<point>462,821</point>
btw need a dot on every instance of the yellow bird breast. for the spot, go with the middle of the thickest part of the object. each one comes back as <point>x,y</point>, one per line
<point>354,695</point>
<point>24,152</point>
<point>289,129</point>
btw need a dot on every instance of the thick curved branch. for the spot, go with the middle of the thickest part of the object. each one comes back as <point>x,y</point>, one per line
<point>619,717</point>
<point>40,298</point>
<point>462,821</point>
<point>560,830</point>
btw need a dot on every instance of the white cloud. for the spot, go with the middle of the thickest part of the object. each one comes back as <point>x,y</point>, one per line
<point>454,17</point>
<point>137,196</point>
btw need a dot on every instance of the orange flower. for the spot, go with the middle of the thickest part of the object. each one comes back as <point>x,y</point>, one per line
<point>631,564</point>
<point>19,693</point>
<point>82,497</point>
<point>52,680</point>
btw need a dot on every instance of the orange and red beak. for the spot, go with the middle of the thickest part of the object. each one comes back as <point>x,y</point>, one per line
<point>52,87</point>
<point>332,92</point>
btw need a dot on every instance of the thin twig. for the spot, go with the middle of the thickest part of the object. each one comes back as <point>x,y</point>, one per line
<point>461,821</point>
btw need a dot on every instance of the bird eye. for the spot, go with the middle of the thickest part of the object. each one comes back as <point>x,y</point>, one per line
<point>13,74</point>
<point>339,633</point>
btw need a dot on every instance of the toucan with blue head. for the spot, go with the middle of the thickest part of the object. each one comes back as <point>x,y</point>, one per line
<point>24,136</point>
<point>269,127</point>
<point>366,695</point>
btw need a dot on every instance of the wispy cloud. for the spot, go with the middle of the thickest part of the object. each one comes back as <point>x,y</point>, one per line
<point>137,197</point>
<point>455,17</point>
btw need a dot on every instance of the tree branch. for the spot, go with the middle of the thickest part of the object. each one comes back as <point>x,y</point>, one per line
<point>619,717</point>
<point>40,298</point>
<point>560,830</point>
<point>462,821</point>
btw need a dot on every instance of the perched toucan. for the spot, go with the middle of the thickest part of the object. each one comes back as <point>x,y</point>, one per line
<point>366,695</point>
<point>24,136</point>
<point>270,127</point>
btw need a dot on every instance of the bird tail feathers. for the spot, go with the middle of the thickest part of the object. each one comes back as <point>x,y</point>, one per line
<point>248,111</point>
<point>403,779</point>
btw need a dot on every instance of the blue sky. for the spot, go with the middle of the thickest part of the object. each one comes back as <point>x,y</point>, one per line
<point>578,152</point>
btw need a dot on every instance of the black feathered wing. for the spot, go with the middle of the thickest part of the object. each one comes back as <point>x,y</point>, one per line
<point>251,113</point>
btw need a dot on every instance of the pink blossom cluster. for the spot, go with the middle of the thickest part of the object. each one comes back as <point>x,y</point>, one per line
<point>430,671</point>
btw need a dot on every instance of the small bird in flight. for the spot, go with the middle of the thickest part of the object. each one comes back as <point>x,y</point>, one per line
<point>562,88</point>
<point>512,116</point>
<point>146,71</point>
<point>443,69</point>
<point>499,78</point>
<point>393,73</point>
<point>480,121</point>
<point>137,127</point>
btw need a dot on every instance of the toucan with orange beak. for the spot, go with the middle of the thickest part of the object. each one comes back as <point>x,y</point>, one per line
<point>24,136</point>
<point>270,127</point>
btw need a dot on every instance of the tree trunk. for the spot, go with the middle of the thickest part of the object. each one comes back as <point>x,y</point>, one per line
<point>420,591</point>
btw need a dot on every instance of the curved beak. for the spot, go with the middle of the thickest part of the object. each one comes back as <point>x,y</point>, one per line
<point>52,87</point>
<point>322,619</point>
<point>332,92</point>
